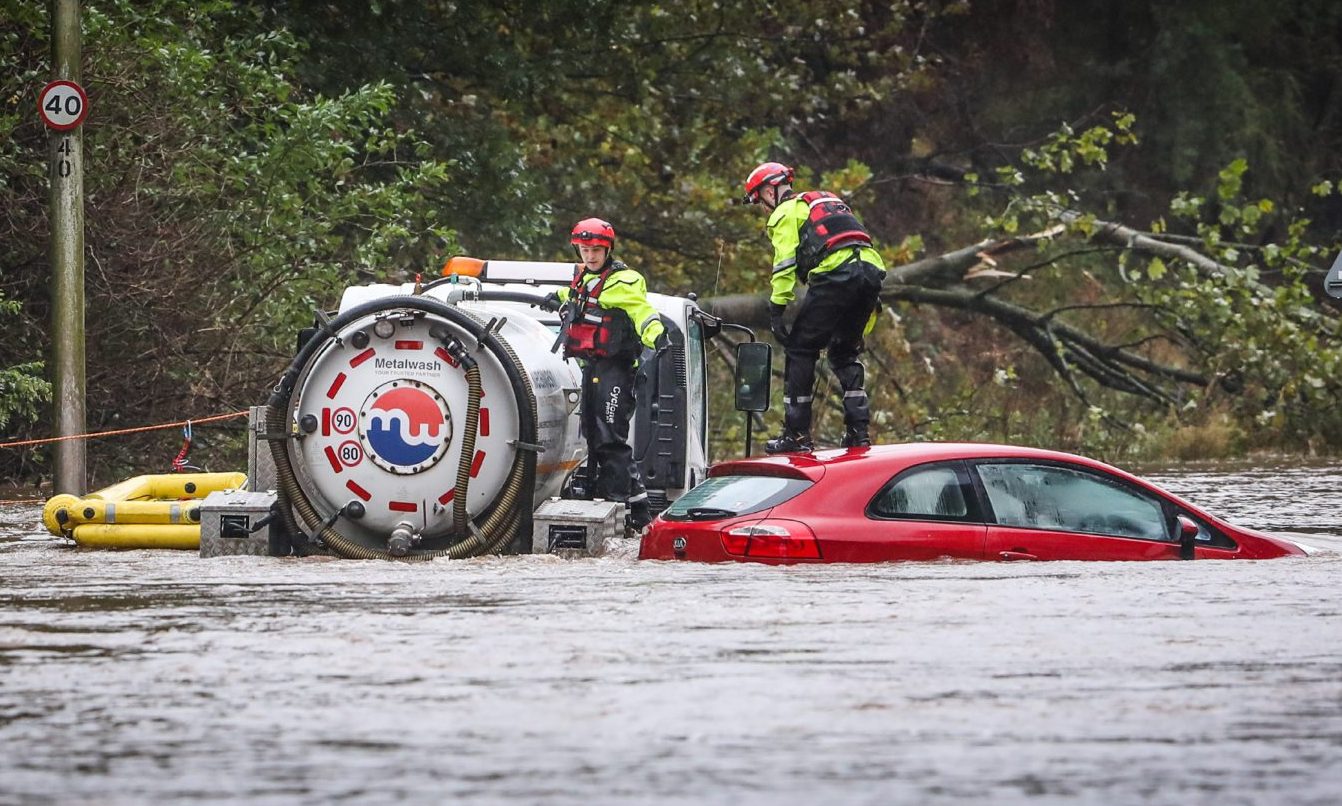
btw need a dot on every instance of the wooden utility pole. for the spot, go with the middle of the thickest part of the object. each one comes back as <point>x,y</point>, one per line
<point>67,251</point>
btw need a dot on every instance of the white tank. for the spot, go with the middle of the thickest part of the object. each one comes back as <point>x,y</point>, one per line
<point>383,405</point>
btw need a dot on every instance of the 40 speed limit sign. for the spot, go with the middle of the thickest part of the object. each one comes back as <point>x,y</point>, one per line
<point>63,105</point>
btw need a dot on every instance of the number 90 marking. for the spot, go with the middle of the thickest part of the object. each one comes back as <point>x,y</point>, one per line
<point>342,420</point>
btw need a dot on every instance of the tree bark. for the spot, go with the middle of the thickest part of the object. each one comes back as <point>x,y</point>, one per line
<point>1070,350</point>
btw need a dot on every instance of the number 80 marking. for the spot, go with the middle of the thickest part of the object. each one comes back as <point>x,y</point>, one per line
<point>350,453</point>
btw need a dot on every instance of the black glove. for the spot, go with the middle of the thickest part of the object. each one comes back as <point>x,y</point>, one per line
<point>776,325</point>
<point>551,301</point>
<point>662,342</point>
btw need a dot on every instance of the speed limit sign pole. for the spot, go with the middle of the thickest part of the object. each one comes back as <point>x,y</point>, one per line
<point>63,106</point>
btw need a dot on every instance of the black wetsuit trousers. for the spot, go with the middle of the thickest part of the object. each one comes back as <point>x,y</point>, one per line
<point>832,317</point>
<point>607,404</point>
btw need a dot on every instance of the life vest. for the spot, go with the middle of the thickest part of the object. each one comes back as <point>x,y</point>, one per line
<point>830,225</point>
<point>591,331</point>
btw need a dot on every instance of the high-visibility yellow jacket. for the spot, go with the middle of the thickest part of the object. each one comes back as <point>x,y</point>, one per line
<point>784,228</point>
<point>624,290</point>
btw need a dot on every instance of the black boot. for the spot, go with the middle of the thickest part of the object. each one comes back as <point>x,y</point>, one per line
<point>640,515</point>
<point>788,442</point>
<point>634,525</point>
<point>856,438</point>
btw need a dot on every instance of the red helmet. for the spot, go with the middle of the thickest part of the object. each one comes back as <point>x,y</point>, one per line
<point>593,232</point>
<point>766,173</point>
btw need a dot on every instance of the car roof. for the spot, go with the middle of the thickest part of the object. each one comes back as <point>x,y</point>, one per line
<point>889,459</point>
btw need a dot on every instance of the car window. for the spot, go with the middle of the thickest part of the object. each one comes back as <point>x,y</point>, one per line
<point>934,492</point>
<point>1068,499</point>
<point>726,496</point>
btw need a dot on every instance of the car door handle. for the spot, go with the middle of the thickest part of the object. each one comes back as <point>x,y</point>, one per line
<point>1015,555</point>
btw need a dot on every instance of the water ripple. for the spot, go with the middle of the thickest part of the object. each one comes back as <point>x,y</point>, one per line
<point>129,677</point>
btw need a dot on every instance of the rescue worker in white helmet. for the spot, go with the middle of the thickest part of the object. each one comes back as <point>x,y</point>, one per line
<point>607,323</point>
<point>818,240</point>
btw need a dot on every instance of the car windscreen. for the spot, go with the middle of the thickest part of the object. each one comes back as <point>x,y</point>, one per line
<point>728,496</point>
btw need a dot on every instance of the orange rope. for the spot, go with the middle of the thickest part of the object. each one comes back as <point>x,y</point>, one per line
<point>119,432</point>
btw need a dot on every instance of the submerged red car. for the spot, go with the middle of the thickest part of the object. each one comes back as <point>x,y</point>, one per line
<point>931,500</point>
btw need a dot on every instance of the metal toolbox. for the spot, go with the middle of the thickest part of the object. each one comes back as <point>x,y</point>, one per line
<point>562,526</point>
<point>231,523</point>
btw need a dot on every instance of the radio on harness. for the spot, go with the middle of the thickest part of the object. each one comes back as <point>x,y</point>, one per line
<point>590,331</point>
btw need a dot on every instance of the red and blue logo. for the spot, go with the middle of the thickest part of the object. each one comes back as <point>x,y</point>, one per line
<point>405,427</point>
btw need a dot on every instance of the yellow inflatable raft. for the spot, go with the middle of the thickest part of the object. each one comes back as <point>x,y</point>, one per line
<point>144,512</point>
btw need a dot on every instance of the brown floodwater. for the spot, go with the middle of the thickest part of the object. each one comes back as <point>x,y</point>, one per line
<point>139,676</point>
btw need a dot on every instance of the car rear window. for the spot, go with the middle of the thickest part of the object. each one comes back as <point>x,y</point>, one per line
<point>728,496</point>
<point>934,492</point>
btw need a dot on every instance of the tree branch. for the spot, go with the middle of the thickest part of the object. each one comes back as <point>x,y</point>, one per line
<point>1069,350</point>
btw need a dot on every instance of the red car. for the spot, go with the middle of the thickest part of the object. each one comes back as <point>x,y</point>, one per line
<point>931,500</point>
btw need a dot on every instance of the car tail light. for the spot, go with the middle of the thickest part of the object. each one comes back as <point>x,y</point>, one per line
<point>772,538</point>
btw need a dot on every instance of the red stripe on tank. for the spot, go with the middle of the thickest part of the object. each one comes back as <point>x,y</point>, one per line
<point>331,457</point>
<point>446,356</point>
<point>335,385</point>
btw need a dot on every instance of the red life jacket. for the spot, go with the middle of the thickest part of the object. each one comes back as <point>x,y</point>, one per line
<point>830,225</point>
<point>592,331</point>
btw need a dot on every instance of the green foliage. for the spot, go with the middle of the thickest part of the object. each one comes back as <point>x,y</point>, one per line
<point>1258,324</point>
<point>246,162</point>
<point>283,197</point>
<point>1064,148</point>
<point>1231,300</point>
<point>22,389</point>
<point>224,203</point>
<point>649,117</point>
<point>22,392</point>
<point>642,113</point>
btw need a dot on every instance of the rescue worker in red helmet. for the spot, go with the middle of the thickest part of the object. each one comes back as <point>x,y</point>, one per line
<point>608,322</point>
<point>818,241</point>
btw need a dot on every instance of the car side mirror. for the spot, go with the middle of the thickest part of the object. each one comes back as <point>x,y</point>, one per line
<point>753,359</point>
<point>1188,535</point>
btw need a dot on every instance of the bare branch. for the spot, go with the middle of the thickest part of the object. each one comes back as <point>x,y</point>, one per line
<point>1060,344</point>
<point>1069,350</point>
<point>1129,238</point>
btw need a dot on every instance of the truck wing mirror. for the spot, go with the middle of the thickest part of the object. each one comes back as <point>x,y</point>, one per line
<point>753,360</point>
<point>711,324</point>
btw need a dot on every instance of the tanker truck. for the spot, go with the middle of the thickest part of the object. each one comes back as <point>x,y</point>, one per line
<point>438,420</point>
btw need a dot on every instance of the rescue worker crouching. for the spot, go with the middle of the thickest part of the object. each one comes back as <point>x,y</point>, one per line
<point>818,240</point>
<point>607,321</point>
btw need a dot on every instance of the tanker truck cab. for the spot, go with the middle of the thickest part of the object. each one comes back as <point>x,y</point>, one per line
<point>429,420</point>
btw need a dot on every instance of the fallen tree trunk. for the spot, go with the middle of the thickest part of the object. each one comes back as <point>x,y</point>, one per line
<point>1069,349</point>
